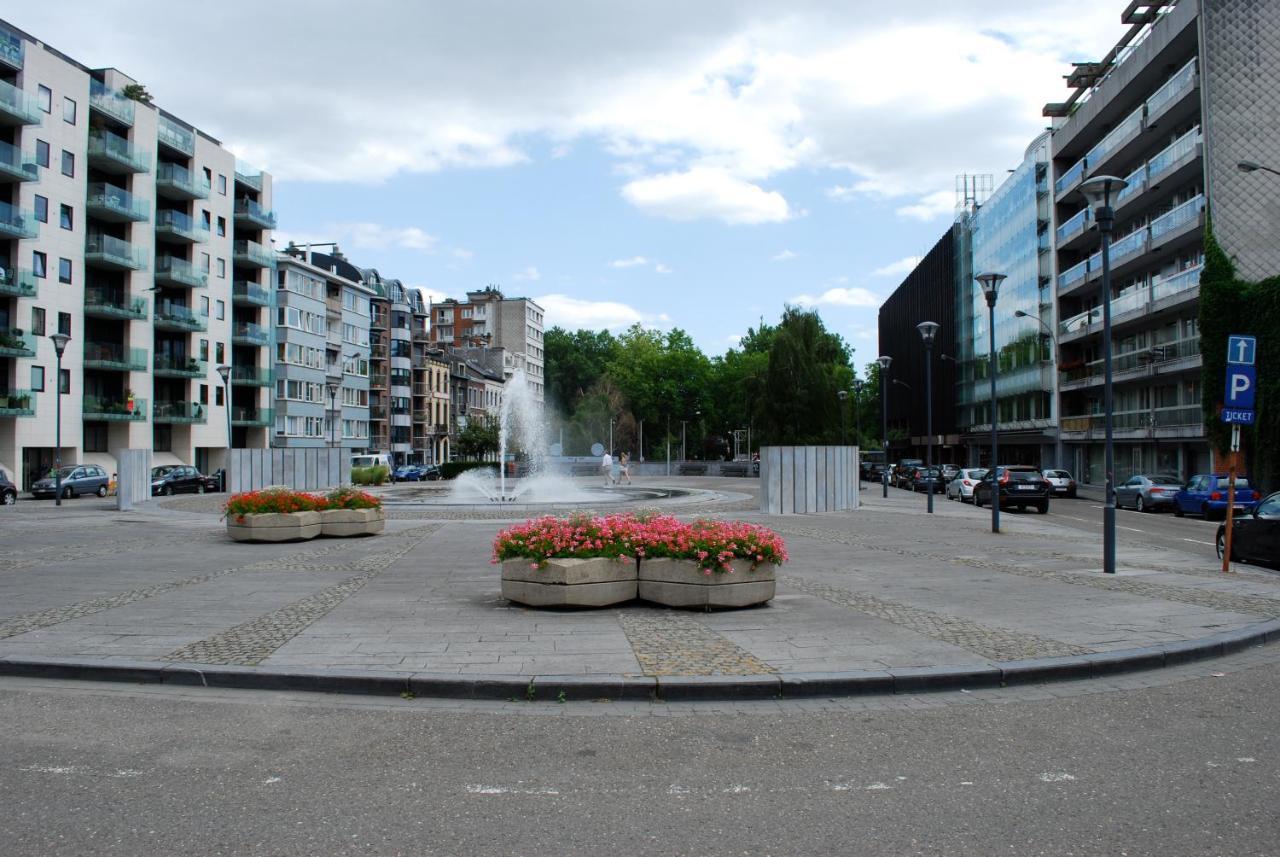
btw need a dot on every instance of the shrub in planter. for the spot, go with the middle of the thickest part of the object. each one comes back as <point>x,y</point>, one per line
<point>273,515</point>
<point>375,475</point>
<point>451,469</point>
<point>349,512</point>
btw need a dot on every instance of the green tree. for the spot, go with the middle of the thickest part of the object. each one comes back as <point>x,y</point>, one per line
<point>808,365</point>
<point>479,438</point>
<point>574,363</point>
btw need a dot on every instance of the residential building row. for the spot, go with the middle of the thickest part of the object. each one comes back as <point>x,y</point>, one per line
<point>1188,93</point>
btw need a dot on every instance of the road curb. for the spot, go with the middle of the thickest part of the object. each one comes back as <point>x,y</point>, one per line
<point>565,688</point>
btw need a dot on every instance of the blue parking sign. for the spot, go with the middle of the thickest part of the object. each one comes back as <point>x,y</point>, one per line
<point>1242,384</point>
<point>1241,350</point>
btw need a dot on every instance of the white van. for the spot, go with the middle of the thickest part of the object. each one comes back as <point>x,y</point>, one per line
<point>373,459</point>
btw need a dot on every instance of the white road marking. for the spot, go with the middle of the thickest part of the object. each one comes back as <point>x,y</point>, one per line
<point>1198,542</point>
<point>877,787</point>
<point>1131,529</point>
<point>50,769</point>
<point>1056,777</point>
<point>1246,759</point>
<point>507,790</point>
<point>125,774</point>
<point>270,780</point>
<point>736,790</point>
<point>1097,507</point>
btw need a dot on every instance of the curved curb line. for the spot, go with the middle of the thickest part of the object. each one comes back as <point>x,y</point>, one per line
<point>563,688</point>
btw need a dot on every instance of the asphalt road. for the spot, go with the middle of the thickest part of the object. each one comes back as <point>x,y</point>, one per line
<point>1187,765</point>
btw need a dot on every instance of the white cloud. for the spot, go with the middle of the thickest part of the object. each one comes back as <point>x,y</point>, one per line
<point>865,333</point>
<point>702,193</point>
<point>461,253</point>
<point>366,236</point>
<point>431,296</point>
<point>629,263</point>
<point>784,256</point>
<point>575,313</point>
<point>660,268</point>
<point>733,340</point>
<point>530,273</point>
<point>931,207</point>
<point>854,296</point>
<point>904,265</point>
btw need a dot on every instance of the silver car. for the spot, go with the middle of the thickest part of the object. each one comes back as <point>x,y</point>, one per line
<point>1061,483</point>
<point>961,488</point>
<point>1147,493</point>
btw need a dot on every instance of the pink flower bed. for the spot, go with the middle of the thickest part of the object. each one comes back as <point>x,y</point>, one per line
<point>713,545</point>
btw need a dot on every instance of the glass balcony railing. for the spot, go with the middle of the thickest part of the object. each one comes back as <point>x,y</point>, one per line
<point>1134,242</point>
<point>252,253</point>
<point>248,174</point>
<point>177,181</point>
<point>171,366</point>
<point>11,49</point>
<point>1070,178</point>
<point>1074,226</point>
<point>110,102</point>
<point>1073,275</point>
<point>250,376</point>
<point>173,271</point>
<point>1129,126</point>
<point>111,409</point>
<point>173,316</point>
<point>179,412</point>
<point>180,225</point>
<point>17,283</point>
<point>18,107</point>
<point>244,292</point>
<point>15,166</point>
<point>112,252</point>
<point>17,403</point>
<point>1168,157</point>
<point>252,416</point>
<point>247,210</point>
<point>1134,299</point>
<point>15,223</point>
<point>113,303</point>
<point>113,153</point>
<point>1183,214</point>
<point>108,202</point>
<point>174,136</point>
<point>248,333</point>
<point>1136,184</point>
<point>16,343</point>
<point>114,357</point>
<point>1083,321</point>
<point>1181,82</point>
<point>1183,281</point>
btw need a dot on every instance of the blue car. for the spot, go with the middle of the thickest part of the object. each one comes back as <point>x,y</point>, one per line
<point>407,473</point>
<point>1206,494</point>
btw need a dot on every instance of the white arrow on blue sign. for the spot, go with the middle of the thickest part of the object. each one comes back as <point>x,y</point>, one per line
<point>1241,350</point>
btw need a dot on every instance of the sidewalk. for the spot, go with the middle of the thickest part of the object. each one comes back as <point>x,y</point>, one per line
<point>885,599</point>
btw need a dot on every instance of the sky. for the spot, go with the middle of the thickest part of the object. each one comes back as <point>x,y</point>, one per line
<point>680,164</point>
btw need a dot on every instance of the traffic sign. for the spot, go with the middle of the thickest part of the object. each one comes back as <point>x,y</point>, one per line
<point>1241,350</point>
<point>1238,417</point>
<point>1242,386</point>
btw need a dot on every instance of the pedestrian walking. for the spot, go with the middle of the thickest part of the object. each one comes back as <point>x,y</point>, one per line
<point>606,467</point>
<point>626,466</point>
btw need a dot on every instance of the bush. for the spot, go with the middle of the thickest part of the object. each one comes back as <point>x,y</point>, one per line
<point>375,475</point>
<point>451,469</point>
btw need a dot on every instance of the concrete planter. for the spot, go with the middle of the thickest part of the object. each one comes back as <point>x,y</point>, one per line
<point>343,523</point>
<point>274,527</point>
<point>595,582</point>
<point>681,583</point>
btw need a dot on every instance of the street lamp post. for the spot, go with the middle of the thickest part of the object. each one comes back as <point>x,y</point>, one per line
<point>1253,166</point>
<point>858,384</point>
<point>333,396</point>
<point>990,290</point>
<point>1053,395</point>
<point>60,341</point>
<point>224,372</point>
<point>843,396</point>
<point>885,363</point>
<point>1098,191</point>
<point>928,330</point>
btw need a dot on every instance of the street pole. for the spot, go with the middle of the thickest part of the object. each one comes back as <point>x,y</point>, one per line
<point>1098,191</point>
<point>844,436</point>
<point>225,373</point>
<point>668,445</point>
<point>333,395</point>
<point>60,341</point>
<point>857,414</point>
<point>928,330</point>
<point>884,362</point>
<point>991,290</point>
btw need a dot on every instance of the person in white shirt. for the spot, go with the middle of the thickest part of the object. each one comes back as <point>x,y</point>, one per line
<point>606,464</point>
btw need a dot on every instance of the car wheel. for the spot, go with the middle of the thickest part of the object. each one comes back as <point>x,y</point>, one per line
<point>9,498</point>
<point>977,501</point>
<point>1139,504</point>
<point>1043,508</point>
<point>167,491</point>
<point>102,491</point>
<point>67,493</point>
<point>1221,543</point>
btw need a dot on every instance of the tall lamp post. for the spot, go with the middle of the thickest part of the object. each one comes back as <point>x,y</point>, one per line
<point>1099,191</point>
<point>843,396</point>
<point>60,341</point>
<point>928,330</point>
<point>990,290</point>
<point>333,396</point>
<point>1053,396</point>
<point>858,384</point>
<point>224,372</point>
<point>885,363</point>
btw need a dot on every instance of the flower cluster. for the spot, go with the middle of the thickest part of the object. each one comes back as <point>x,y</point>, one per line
<point>713,545</point>
<point>351,498</point>
<point>285,500</point>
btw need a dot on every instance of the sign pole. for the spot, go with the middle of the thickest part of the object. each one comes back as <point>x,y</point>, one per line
<point>1231,498</point>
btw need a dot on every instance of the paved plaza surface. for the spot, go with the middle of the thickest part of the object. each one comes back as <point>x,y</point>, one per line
<point>884,587</point>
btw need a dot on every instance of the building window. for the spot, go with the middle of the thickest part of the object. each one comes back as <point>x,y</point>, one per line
<point>95,437</point>
<point>39,264</point>
<point>222,307</point>
<point>64,323</point>
<point>42,208</point>
<point>65,217</point>
<point>64,270</point>
<point>220,352</point>
<point>217,396</point>
<point>68,111</point>
<point>45,95</point>
<point>205,220</point>
<point>204,350</point>
<point>222,268</point>
<point>37,320</point>
<point>42,153</point>
<point>37,379</point>
<point>204,262</point>
<point>204,305</point>
<point>222,226</point>
<point>68,163</point>
<point>204,394</point>
<point>162,438</point>
<point>222,184</point>
<point>64,382</point>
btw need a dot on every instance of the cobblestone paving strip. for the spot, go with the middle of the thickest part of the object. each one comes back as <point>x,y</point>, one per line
<point>671,643</point>
<point>1214,600</point>
<point>997,644</point>
<point>249,643</point>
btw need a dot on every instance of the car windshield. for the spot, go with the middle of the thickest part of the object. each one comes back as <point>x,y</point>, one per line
<point>1164,480</point>
<point>158,472</point>
<point>1023,475</point>
<point>1057,474</point>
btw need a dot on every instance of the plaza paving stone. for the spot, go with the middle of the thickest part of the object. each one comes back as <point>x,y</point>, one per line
<point>878,588</point>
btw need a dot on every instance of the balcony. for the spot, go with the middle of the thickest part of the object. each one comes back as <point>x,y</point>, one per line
<point>15,166</point>
<point>177,182</point>
<point>1135,183</point>
<point>250,376</point>
<point>106,251</point>
<point>17,107</point>
<point>252,253</point>
<point>15,343</point>
<point>244,293</point>
<point>109,101</point>
<point>113,357</point>
<point>380,320</point>
<point>169,366</point>
<point>171,316</point>
<point>99,408</point>
<point>249,213</point>
<point>15,223</point>
<point>176,137</point>
<point>178,226</point>
<point>1074,226</point>
<point>1164,227</point>
<point>1165,99</point>
<point>173,271</point>
<point>1180,151</point>
<point>249,175</point>
<point>185,413</point>
<point>18,284</point>
<point>252,416</point>
<point>17,403</point>
<point>112,153</point>
<point>102,302</point>
<point>1179,284</point>
<point>1068,181</point>
<point>1115,142</point>
<point>115,204</point>
<point>1072,276</point>
<point>248,333</point>
<point>11,50</point>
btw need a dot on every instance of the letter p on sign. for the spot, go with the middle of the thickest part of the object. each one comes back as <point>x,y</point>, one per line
<point>1241,386</point>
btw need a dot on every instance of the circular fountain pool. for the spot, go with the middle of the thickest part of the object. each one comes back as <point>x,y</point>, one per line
<point>520,501</point>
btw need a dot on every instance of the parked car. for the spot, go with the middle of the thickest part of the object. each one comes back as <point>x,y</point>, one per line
<point>170,479</point>
<point>407,473</point>
<point>1255,536</point>
<point>8,491</point>
<point>949,472</point>
<point>961,487</point>
<point>1060,482</point>
<point>1148,493</point>
<point>77,479</point>
<point>899,475</point>
<point>1206,494</point>
<point>430,472</point>
<point>927,478</point>
<point>1020,486</point>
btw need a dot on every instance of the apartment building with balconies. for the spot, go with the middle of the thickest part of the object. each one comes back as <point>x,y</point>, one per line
<point>487,318</point>
<point>1171,110</point>
<point>391,366</point>
<point>117,228</point>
